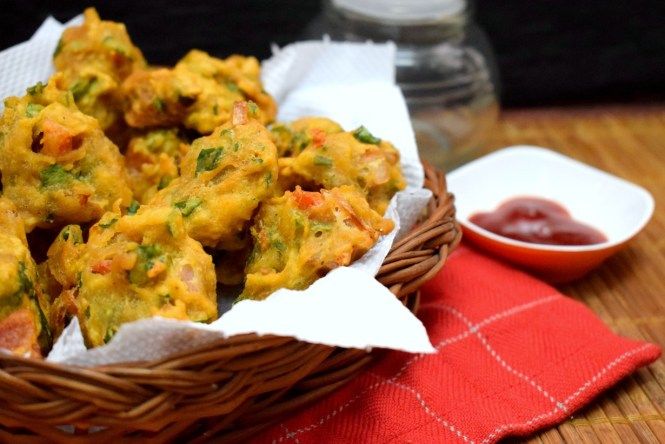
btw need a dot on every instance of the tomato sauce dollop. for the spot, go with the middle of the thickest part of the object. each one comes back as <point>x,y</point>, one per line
<point>539,221</point>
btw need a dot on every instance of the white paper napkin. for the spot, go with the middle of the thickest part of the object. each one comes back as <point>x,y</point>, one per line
<point>351,83</point>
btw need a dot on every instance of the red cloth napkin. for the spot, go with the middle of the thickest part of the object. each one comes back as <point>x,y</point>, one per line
<point>514,356</point>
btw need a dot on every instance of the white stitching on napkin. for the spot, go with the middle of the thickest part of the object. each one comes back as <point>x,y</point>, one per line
<point>445,342</point>
<point>502,362</point>
<point>428,409</point>
<point>489,438</point>
<point>288,433</point>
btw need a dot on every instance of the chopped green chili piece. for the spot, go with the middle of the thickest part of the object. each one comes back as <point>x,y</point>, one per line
<point>164,182</point>
<point>322,161</point>
<point>267,180</point>
<point>25,284</point>
<point>159,104</point>
<point>58,48</point>
<point>133,208</point>
<point>82,87</point>
<point>278,245</point>
<point>188,206</point>
<point>109,335</point>
<point>72,232</point>
<point>109,224</point>
<point>147,256</point>
<point>208,159</point>
<point>33,109</point>
<point>35,89</point>
<point>232,86</point>
<point>252,108</point>
<point>170,223</point>
<point>363,135</point>
<point>111,43</point>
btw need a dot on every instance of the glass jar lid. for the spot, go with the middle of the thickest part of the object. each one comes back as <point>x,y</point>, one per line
<point>403,12</point>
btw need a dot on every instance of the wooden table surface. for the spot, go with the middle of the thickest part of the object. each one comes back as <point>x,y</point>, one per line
<point>628,290</point>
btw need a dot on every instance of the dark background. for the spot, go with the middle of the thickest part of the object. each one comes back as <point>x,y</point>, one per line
<point>548,51</point>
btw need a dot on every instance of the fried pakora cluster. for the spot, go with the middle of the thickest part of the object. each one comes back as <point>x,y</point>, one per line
<point>56,163</point>
<point>157,186</point>
<point>132,267</point>
<point>302,235</point>
<point>317,151</point>
<point>23,326</point>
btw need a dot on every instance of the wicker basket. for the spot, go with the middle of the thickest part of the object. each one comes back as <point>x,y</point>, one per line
<point>227,390</point>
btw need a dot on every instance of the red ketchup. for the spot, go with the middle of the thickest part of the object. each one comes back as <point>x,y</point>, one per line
<point>538,221</point>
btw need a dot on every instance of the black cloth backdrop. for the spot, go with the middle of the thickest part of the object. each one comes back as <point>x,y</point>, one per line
<point>548,51</point>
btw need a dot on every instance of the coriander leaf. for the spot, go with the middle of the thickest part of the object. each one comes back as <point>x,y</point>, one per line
<point>55,175</point>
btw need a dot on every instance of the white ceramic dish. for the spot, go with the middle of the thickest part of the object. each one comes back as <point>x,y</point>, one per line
<point>616,207</point>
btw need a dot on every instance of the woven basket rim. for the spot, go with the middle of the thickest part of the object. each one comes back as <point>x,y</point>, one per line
<point>231,386</point>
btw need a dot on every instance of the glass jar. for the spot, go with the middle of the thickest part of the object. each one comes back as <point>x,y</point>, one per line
<point>444,67</point>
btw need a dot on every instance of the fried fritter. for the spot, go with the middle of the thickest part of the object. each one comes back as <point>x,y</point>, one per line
<point>240,78</point>
<point>198,93</point>
<point>324,156</point>
<point>23,326</point>
<point>292,138</point>
<point>223,178</point>
<point>159,97</point>
<point>95,58</point>
<point>133,267</point>
<point>153,161</point>
<point>57,165</point>
<point>302,235</point>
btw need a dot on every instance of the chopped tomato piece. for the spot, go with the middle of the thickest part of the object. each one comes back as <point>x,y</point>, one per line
<point>102,267</point>
<point>318,137</point>
<point>306,199</point>
<point>56,139</point>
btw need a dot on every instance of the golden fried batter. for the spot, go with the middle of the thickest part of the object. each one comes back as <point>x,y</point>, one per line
<point>23,326</point>
<point>198,93</point>
<point>223,178</point>
<point>159,97</point>
<point>239,77</point>
<point>153,160</point>
<point>137,266</point>
<point>95,58</point>
<point>292,138</point>
<point>57,166</point>
<point>329,158</point>
<point>302,235</point>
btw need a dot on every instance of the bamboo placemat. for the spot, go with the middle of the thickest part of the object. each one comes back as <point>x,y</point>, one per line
<point>628,291</point>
